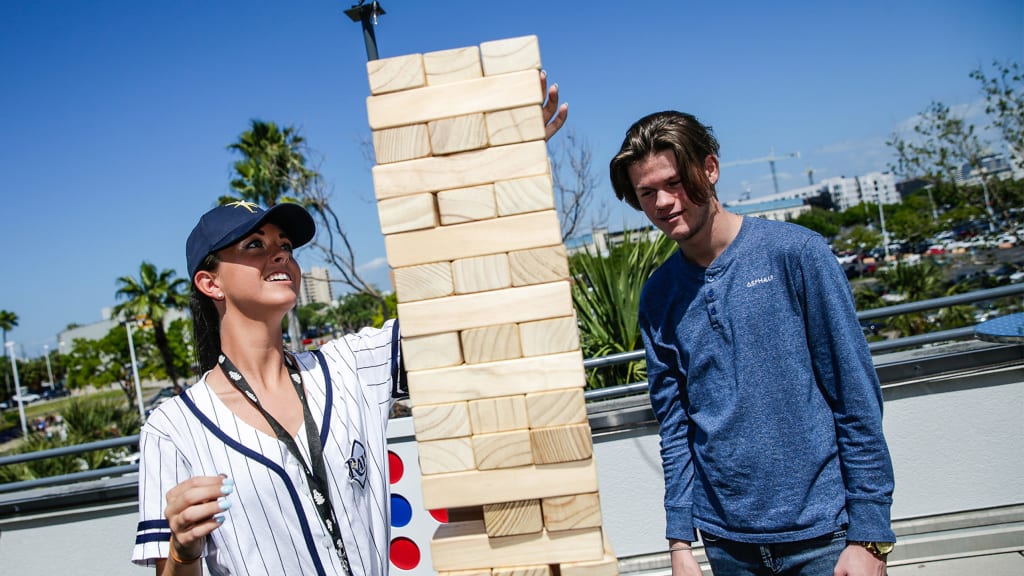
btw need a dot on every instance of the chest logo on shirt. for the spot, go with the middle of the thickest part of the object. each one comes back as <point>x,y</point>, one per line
<point>761,280</point>
<point>356,464</point>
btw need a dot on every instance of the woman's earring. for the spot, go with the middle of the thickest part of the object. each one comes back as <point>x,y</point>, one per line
<point>220,295</point>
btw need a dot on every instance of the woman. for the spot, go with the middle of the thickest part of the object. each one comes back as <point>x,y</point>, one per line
<point>273,463</point>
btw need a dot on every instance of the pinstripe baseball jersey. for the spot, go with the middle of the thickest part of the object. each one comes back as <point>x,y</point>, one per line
<point>272,526</point>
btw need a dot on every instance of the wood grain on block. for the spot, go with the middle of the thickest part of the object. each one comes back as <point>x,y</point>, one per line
<point>466,204</point>
<point>538,570</point>
<point>407,213</point>
<point>454,99</point>
<point>458,134</point>
<point>477,572</point>
<point>549,336</point>
<point>520,376</point>
<point>606,566</point>
<point>538,265</point>
<point>562,443</point>
<point>510,55</point>
<point>512,233</point>
<point>515,125</point>
<point>436,421</point>
<point>425,281</point>
<point>555,408</point>
<point>465,545</point>
<point>445,66</point>
<point>476,488</point>
<point>490,343</point>
<point>445,456</point>
<point>401,144</point>
<point>498,414</point>
<point>466,311</point>
<point>395,74</point>
<point>524,195</point>
<point>481,273</point>
<point>502,450</point>
<point>460,170</point>
<point>572,512</point>
<point>510,518</point>
<point>433,351</point>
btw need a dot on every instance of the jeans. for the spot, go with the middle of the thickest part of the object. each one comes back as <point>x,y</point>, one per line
<point>814,557</point>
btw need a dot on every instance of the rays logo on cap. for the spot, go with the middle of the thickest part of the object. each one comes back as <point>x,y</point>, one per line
<point>250,206</point>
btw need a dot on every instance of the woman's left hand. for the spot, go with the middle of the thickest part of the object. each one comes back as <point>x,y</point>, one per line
<point>554,115</point>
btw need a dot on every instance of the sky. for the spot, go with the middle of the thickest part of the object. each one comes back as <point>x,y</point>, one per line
<point>116,114</point>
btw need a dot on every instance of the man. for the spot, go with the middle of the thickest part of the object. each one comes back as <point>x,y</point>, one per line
<point>769,404</point>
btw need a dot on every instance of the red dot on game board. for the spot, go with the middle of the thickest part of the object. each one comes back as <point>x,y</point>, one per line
<point>441,515</point>
<point>396,466</point>
<point>405,554</point>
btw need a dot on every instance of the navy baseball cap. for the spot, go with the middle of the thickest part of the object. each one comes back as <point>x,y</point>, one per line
<point>229,223</point>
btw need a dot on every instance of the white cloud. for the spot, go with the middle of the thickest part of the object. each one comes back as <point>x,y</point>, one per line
<point>375,264</point>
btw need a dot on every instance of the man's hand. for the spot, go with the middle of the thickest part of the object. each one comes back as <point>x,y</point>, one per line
<point>858,561</point>
<point>554,115</point>
<point>684,564</point>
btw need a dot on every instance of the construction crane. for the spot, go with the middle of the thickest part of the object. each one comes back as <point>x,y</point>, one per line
<point>770,159</point>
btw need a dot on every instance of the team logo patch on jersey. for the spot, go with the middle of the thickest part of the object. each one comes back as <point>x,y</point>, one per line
<point>357,464</point>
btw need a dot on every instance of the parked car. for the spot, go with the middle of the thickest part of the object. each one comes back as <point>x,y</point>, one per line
<point>26,397</point>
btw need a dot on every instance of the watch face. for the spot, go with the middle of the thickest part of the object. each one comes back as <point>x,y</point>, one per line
<point>884,547</point>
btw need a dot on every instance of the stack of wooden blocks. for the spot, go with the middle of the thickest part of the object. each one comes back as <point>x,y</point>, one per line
<point>490,340</point>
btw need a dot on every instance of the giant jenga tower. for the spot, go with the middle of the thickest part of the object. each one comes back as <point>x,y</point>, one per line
<point>490,340</point>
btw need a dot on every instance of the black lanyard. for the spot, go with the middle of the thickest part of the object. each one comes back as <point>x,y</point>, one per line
<point>316,478</point>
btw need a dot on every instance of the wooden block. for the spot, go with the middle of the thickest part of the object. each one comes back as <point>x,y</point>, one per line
<point>407,213</point>
<point>454,99</point>
<point>510,449</point>
<point>490,344</point>
<point>606,566</point>
<point>437,421</point>
<point>510,518</point>
<point>394,74</point>
<point>425,281</point>
<point>466,311</point>
<point>498,414</point>
<point>433,351</point>
<point>465,545</point>
<point>445,66</point>
<point>458,134</point>
<point>466,204</point>
<point>515,125</point>
<point>511,233</point>
<point>445,456</point>
<point>481,273</point>
<point>538,570</point>
<point>549,336</point>
<point>538,265</point>
<point>460,170</point>
<point>476,488</point>
<point>524,195</point>
<point>400,144</point>
<point>555,408</point>
<point>520,376</point>
<point>561,443</point>
<point>510,55</point>
<point>572,512</point>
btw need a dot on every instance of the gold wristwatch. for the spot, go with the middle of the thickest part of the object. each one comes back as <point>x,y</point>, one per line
<point>879,549</point>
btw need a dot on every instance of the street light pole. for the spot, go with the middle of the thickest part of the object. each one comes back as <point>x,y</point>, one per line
<point>17,388</point>
<point>49,370</point>
<point>367,15</point>
<point>135,371</point>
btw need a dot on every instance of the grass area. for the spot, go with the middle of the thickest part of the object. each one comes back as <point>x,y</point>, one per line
<point>45,408</point>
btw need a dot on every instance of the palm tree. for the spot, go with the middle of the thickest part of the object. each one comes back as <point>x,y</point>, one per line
<point>8,320</point>
<point>151,296</point>
<point>606,293</point>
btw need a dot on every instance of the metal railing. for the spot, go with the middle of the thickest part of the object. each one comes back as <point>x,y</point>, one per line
<point>591,395</point>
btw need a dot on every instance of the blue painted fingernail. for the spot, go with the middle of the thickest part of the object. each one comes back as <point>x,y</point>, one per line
<point>219,518</point>
<point>227,488</point>
<point>224,503</point>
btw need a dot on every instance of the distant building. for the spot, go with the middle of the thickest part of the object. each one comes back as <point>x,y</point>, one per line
<point>600,240</point>
<point>99,329</point>
<point>316,287</point>
<point>842,192</point>
<point>782,210</point>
